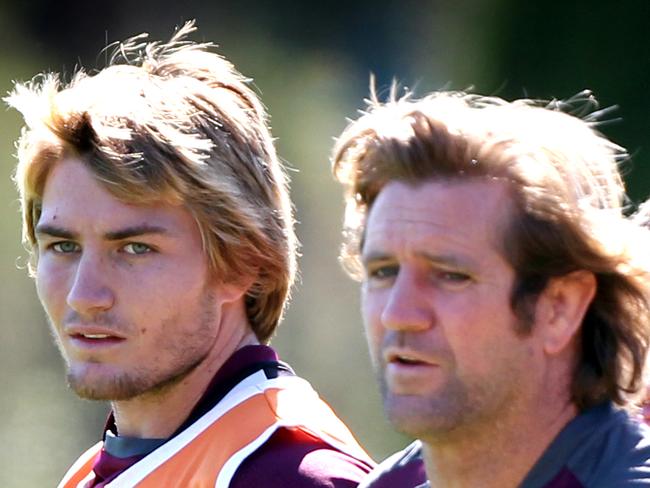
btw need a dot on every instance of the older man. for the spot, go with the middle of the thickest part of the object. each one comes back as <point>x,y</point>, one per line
<point>505,294</point>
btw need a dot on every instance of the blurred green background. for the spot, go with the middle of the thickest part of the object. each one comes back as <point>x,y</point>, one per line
<point>311,63</point>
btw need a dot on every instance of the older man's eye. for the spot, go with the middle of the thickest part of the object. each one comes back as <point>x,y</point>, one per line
<point>452,279</point>
<point>383,272</point>
<point>454,276</point>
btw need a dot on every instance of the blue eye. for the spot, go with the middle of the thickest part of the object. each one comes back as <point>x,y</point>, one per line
<point>65,247</point>
<point>137,248</point>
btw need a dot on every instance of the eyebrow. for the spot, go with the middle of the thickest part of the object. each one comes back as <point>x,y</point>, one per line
<point>137,230</point>
<point>53,231</point>
<point>443,260</point>
<point>117,235</point>
<point>374,256</point>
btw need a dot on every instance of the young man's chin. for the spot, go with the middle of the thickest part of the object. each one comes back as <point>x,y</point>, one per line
<point>99,381</point>
<point>90,383</point>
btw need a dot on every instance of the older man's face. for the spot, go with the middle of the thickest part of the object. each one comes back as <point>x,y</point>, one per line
<point>436,307</point>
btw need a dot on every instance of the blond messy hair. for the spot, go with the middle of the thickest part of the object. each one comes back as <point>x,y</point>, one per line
<point>569,202</point>
<point>172,122</point>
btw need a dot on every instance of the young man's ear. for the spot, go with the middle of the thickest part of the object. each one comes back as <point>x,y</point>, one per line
<point>227,291</point>
<point>561,308</point>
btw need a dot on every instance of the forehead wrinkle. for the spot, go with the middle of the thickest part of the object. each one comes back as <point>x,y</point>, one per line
<point>401,233</point>
<point>400,222</point>
<point>440,253</point>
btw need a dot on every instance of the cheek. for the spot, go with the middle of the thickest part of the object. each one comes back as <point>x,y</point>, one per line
<point>166,281</point>
<point>51,286</point>
<point>371,309</point>
<point>173,305</point>
<point>492,332</point>
<point>479,305</point>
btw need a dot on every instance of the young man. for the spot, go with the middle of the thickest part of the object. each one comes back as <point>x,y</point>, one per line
<point>505,294</point>
<point>164,251</point>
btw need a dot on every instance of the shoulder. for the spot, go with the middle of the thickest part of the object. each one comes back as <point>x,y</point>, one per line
<point>617,454</point>
<point>293,459</point>
<point>404,469</point>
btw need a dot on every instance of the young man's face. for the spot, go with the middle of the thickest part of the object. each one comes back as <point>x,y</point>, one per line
<point>436,307</point>
<point>126,288</point>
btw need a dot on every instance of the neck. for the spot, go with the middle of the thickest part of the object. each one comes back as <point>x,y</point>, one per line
<point>159,413</point>
<point>499,455</point>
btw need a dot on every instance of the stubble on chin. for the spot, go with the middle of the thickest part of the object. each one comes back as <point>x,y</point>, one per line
<point>114,387</point>
<point>125,385</point>
<point>434,416</point>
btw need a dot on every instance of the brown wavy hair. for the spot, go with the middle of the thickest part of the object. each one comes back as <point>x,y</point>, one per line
<point>171,122</point>
<point>569,203</point>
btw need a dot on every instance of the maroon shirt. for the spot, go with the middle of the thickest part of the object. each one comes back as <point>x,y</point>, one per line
<point>289,459</point>
<point>603,447</point>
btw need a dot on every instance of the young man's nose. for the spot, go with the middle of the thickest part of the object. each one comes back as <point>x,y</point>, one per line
<point>90,291</point>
